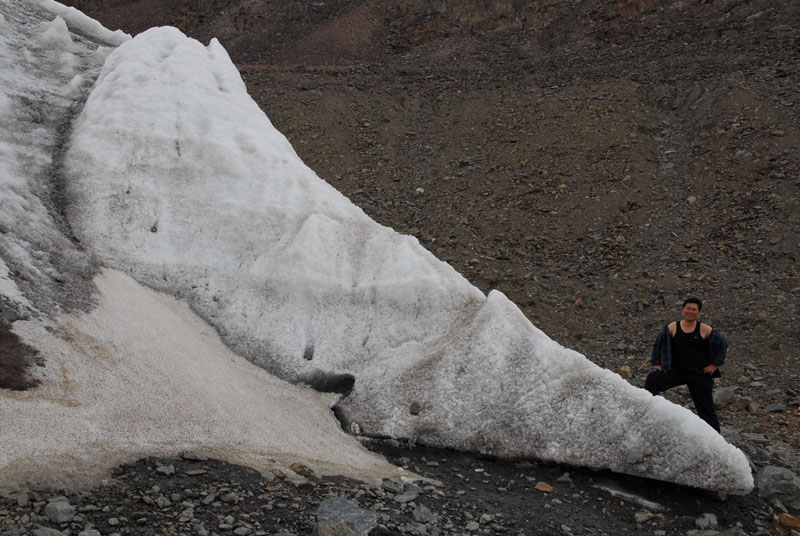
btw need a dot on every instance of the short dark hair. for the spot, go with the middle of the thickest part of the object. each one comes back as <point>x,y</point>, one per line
<point>694,300</point>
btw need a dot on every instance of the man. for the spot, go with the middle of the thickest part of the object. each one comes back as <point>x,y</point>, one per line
<point>689,353</point>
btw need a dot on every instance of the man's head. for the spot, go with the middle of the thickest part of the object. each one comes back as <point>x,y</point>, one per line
<point>691,309</point>
<point>695,301</point>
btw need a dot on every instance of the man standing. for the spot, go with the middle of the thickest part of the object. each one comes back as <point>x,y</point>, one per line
<point>689,353</point>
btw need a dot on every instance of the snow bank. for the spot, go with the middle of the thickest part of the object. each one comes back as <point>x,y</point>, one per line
<point>142,375</point>
<point>177,177</point>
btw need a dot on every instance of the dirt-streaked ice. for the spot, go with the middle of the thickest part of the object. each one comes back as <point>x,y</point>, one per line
<point>174,175</point>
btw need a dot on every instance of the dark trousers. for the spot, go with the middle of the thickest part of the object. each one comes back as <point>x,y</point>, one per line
<point>700,387</point>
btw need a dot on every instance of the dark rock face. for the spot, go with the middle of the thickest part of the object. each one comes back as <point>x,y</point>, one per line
<point>15,359</point>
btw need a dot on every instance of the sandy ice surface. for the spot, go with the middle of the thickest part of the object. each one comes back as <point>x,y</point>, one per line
<point>142,375</point>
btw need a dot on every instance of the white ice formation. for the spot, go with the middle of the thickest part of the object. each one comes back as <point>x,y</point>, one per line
<point>174,175</point>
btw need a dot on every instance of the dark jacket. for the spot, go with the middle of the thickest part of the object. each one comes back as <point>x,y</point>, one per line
<point>716,348</point>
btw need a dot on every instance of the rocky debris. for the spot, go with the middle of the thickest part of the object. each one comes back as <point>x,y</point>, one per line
<point>464,494</point>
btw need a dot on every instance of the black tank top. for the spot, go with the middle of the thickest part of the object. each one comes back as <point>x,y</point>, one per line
<point>689,349</point>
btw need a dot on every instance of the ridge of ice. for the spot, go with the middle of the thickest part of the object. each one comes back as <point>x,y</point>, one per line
<point>173,174</point>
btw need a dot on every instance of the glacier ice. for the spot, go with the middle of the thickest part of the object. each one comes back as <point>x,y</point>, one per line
<point>174,175</point>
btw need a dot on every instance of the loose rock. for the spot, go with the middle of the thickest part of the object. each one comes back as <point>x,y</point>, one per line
<point>340,517</point>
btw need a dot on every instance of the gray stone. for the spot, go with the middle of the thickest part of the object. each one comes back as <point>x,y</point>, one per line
<point>194,456</point>
<point>706,521</point>
<point>407,496</point>
<point>724,396</point>
<point>392,486</point>
<point>643,516</point>
<point>778,483</point>
<point>229,498</point>
<point>166,469</point>
<point>243,531</point>
<point>59,511</point>
<point>472,526</point>
<point>423,515</point>
<point>410,486</point>
<point>340,517</point>
<point>45,531</point>
<point>91,532</point>
<point>775,408</point>
<point>415,408</point>
<point>23,500</point>
<point>758,439</point>
<point>415,529</point>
